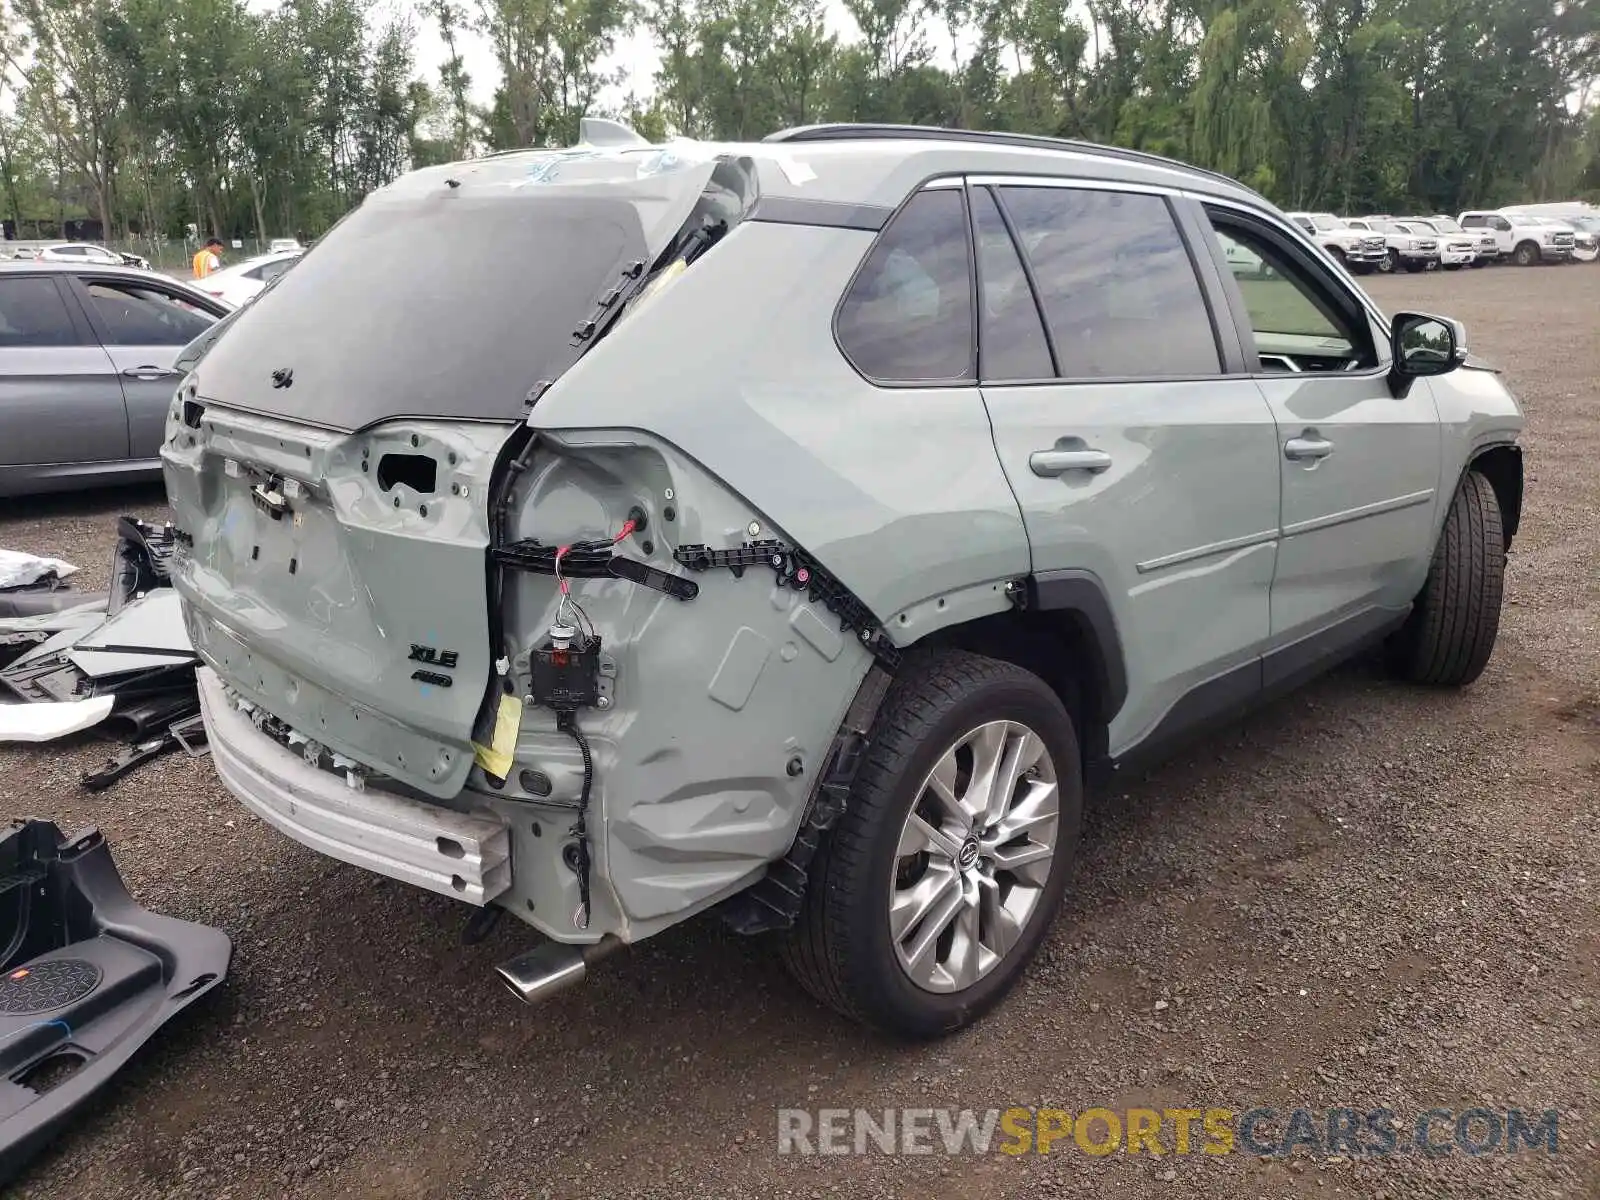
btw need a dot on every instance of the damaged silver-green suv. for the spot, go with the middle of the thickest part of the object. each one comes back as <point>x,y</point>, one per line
<point>794,529</point>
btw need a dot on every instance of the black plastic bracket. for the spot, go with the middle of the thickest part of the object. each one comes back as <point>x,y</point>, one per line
<point>594,560</point>
<point>774,901</point>
<point>796,569</point>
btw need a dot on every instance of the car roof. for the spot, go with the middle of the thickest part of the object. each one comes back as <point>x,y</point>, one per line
<point>858,164</point>
<point>255,260</point>
<point>135,274</point>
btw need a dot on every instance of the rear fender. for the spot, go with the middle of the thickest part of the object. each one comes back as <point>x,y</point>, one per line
<point>719,710</point>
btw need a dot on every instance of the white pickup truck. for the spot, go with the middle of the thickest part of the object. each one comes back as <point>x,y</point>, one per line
<point>1485,246</point>
<point>1359,250</point>
<point>1414,247</point>
<point>1526,240</point>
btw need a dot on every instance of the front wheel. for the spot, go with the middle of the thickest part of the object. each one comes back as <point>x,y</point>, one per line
<point>1451,631</point>
<point>1389,262</point>
<point>937,885</point>
<point>1526,254</point>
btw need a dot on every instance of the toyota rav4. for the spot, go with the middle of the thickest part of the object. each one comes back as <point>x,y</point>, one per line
<point>795,529</point>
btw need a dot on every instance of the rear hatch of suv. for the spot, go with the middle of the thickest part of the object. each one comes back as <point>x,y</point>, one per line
<point>333,457</point>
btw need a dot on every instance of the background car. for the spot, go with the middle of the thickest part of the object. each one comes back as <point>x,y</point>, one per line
<point>284,245</point>
<point>1485,246</point>
<point>1520,237</point>
<point>1414,247</point>
<point>87,371</point>
<point>236,284</point>
<point>77,252</point>
<point>1584,246</point>
<point>1358,249</point>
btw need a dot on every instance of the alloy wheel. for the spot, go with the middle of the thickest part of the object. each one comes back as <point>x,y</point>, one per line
<point>974,856</point>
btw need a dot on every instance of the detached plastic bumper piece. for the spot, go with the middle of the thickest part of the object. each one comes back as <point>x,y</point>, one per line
<point>87,977</point>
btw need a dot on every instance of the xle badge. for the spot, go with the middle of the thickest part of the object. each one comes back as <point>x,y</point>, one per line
<point>434,658</point>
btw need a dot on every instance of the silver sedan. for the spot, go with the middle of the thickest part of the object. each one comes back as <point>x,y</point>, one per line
<point>87,371</point>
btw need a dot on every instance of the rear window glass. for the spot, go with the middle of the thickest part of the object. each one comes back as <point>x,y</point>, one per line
<point>32,313</point>
<point>908,316</point>
<point>443,304</point>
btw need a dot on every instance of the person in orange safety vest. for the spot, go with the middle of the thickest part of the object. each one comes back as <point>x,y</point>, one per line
<point>208,259</point>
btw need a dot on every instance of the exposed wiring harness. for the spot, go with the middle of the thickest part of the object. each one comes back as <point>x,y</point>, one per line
<point>569,612</point>
<point>570,615</point>
<point>567,722</point>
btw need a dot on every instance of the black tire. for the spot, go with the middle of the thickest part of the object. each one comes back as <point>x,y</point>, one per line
<point>1451,631</point>
<point>1526,254</point>
<point>841,949</point>
<point>1480,261</point>
<point>1452,266</point>
<point>1390,262</point>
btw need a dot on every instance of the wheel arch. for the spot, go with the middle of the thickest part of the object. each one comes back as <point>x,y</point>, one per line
<point>1502,466</point>
<point>1066,633</point>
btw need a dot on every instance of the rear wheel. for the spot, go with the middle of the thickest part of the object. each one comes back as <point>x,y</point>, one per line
<point>940,880</point>
<point>1451,631</point>
<point>1526,254</point>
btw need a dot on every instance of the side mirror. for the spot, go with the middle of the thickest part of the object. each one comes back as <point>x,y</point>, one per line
<point>1423,345</point>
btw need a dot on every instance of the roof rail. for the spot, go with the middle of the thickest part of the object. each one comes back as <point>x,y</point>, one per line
<point>845,131</point>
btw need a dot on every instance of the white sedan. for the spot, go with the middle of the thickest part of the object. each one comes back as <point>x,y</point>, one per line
<point>236,284</point>
<point>87,252</point>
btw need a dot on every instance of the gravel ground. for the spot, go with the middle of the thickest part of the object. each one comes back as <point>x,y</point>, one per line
<point>1366,896</point>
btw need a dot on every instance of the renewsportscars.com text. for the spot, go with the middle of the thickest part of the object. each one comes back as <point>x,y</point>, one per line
<point>1271,1132</point>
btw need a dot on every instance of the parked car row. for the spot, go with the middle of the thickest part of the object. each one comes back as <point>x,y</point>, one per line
<point>1475,238</point>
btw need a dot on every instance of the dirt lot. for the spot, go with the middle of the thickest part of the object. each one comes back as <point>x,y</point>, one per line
<point>1369,896</point>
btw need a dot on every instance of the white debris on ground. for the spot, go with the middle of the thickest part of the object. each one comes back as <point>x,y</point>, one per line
<point>19,569</point>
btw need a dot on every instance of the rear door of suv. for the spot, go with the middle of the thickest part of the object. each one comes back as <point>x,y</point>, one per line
<point>1359,464</point>
<point>1144,462</point>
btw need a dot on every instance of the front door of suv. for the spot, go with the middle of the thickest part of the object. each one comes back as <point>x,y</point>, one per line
<point>1140,455</point>
<point>1359,464</point>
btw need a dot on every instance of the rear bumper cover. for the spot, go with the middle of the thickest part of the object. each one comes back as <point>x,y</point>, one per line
<point>88,978</point>
<point>467,856</point>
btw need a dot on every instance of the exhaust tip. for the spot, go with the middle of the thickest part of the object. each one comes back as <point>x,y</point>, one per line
<point>539,973</point>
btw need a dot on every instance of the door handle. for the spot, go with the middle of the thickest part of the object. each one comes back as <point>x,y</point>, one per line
<point>1049,463</point>
<point>1307,449</point>
<point>149,372</point>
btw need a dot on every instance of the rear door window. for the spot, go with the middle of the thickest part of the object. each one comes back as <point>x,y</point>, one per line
<point>1011,337</point>
<point>138,315</point>
<point>1116,282</point>
<point>907,317</point>
<point>33,313</point>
